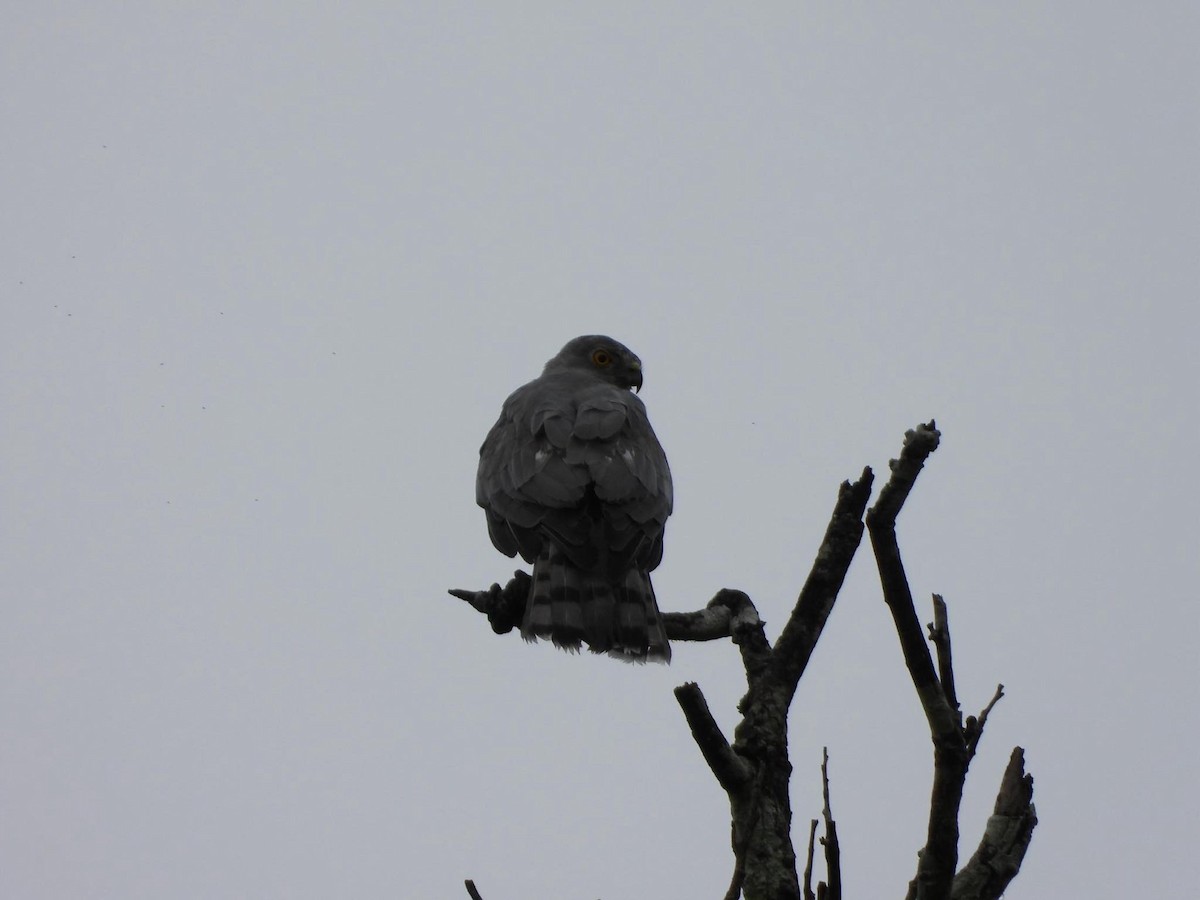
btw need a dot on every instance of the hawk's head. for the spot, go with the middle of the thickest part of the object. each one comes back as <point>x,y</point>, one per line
<point>610,360</point>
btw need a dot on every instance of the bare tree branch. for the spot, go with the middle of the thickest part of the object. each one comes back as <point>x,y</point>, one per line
<point>954,742</point>
<point>919,443</point>
<point>939,634</point>
<point>732,772</point>
<point>833,852</point>
<point>881,523</point>
<point>808,865</point>
<point>712,623</point>
<point>1005,841</point>
<point>762,813</point>
<point>939,859</point>
<point>973,729</point>
<point>754,770</point>
<point>842,537</point>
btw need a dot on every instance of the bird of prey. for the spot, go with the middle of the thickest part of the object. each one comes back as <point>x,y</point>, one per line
<point>573,478</point>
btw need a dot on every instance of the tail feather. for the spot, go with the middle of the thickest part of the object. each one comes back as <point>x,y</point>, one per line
<point>554,609</point>
<point>566,606</point>
<point>571,607</point>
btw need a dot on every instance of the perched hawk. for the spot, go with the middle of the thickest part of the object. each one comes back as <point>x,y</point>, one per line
<point>572,477</point>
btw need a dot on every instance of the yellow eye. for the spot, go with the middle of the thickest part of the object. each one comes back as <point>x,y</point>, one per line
<point>602,358</point>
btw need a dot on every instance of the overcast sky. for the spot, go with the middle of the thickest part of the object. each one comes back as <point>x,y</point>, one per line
<point>267,273</point>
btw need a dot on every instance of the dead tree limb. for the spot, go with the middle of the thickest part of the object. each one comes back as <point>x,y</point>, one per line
<point>757,784</point>
<point>833,850</point>
<point>939,635</point>
<point>731,770</point>
<point>1002,848</point>
<point>808,865</point>
<point>831,889</point>
<point>954,743</point>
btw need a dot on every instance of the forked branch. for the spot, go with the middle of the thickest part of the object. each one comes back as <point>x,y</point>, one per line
<point>954,742</point>
<point>754,770</point>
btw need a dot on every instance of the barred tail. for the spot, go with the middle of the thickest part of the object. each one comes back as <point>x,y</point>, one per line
<point>571,607</point>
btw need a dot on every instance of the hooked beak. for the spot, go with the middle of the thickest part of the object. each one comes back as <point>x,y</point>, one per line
<point>635,379</point>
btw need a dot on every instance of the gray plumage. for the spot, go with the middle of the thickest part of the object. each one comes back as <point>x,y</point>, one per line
<point>573,478</point>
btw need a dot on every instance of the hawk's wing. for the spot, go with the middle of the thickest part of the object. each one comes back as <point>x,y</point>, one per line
<point>576,461</point>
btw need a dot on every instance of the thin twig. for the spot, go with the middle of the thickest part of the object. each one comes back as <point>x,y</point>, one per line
<point>939,633</point>
<point>988,709</point>
<point>808,865</point>
<point>833,852</point>
<point>973,730</point>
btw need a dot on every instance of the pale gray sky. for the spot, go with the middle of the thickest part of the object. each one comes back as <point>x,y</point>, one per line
<point>268,273</point>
